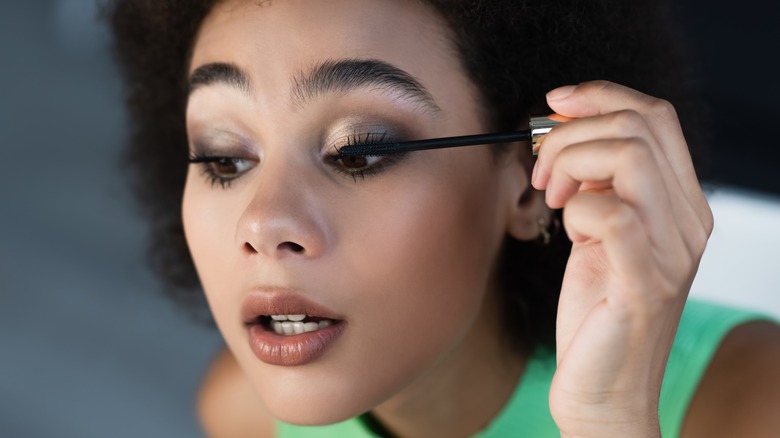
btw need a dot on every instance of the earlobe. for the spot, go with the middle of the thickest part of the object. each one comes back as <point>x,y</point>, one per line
<point>527,206</point>
<point>529,216</point>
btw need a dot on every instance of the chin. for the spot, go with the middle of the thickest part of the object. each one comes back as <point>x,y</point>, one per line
<point>315,409</point>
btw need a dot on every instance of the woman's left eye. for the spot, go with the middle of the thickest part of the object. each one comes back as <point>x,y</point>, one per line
<point>362,165</point>
<point>359,165</point>
<point>358,162</point>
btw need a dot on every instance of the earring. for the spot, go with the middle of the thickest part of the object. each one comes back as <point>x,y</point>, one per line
<point>544,232</point>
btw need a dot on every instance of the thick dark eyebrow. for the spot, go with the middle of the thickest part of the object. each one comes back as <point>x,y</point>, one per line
<point>222,73</point>
<point>348,74</point>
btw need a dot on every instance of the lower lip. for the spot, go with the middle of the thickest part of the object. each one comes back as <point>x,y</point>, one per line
<point>293,350</point>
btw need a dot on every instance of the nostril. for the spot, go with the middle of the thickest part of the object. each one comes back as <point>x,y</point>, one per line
<point>282,247</point>
<point>249,248</point>
<point>292,246</point>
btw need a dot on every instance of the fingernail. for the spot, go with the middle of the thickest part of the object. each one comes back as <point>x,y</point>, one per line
<point>533,174</point>
<point>560,93</point>
<point>537,145</point>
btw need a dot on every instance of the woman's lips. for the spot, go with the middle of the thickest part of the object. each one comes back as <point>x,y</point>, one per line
<point>292,350</point>
<point>281,327</point>
<point>269,302</point>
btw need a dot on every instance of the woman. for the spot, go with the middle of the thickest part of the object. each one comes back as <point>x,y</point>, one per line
<point>434,293</point>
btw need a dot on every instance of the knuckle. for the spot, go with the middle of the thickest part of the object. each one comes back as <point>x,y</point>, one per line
<point>621,219</point>
<point>627,122</point>
<point>663,110</point>
<point>594,86</point>
<point>635,152</point>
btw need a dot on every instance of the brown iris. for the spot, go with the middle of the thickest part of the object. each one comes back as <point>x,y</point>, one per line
<point>224,166</point>
<point>354,161</point>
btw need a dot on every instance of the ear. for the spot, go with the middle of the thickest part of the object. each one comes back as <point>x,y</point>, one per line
<point>526,205</point>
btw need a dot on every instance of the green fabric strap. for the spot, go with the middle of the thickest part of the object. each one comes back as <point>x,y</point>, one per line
<point>701,330</point>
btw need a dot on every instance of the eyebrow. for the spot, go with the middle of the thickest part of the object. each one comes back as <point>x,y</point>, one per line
<point>330,76</point>
<point>349,74</point>
<point>219,73</point>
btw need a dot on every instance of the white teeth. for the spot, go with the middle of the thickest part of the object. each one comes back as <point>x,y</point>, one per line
<point>286,328</point>
<point>294,318</point>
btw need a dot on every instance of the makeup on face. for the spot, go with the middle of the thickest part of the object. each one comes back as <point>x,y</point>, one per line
<point>288,329</point>
<point>222,161</point>
<point>325,289</point>
<point>538,127</point>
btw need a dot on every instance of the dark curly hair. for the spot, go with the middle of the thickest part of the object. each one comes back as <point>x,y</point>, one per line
<point>513,50</point>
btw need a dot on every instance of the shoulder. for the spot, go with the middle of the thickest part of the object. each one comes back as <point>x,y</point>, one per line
<point>739,394</point>
<point>227,404</point>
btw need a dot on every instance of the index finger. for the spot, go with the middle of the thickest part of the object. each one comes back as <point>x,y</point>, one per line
<point>603,97</point>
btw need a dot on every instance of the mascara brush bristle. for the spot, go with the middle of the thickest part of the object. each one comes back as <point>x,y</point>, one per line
<point>379,149</point>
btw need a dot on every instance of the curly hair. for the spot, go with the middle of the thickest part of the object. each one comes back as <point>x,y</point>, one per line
<point>514,51</point>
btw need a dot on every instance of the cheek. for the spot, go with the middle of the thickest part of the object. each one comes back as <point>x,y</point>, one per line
<point>422,265</point>
<point>210,239</point>
<point>409,266</point>
<point>200,222</point>
<point>440,228</point>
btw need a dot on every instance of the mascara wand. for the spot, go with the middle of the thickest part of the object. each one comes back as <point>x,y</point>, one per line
<point>539,125</point>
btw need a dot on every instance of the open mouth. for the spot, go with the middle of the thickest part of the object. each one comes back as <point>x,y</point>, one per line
<point>290,325</point>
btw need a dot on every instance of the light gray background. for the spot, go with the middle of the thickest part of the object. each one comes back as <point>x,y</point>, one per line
<point>88,345</point>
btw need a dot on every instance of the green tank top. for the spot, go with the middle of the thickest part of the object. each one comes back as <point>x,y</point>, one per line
<point>702,327</point>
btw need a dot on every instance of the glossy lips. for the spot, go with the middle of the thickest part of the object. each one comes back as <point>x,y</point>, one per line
<point>287,329</point>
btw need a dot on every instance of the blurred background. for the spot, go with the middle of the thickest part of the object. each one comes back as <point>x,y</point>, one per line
<point>89,347</point>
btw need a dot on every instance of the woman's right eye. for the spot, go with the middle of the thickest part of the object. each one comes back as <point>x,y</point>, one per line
<point>222,170</point>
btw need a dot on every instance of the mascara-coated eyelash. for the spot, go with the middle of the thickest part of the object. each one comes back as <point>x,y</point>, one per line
<point>361,166</point>
<point>222,170</point>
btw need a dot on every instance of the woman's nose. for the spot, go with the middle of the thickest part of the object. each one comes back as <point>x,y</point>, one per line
<point>283,217</point>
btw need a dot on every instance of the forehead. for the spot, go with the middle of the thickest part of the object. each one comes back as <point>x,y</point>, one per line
<point>279,35</point>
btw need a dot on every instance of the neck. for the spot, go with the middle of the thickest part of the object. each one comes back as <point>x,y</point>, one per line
<point>463,392</point>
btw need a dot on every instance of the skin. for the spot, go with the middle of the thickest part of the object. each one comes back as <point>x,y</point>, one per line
<point>429,215</point>
<point>737,396</point>
<point>639,225</point>
<point>633,208</point>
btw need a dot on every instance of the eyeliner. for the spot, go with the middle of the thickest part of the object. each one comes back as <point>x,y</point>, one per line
<point>539,125</point>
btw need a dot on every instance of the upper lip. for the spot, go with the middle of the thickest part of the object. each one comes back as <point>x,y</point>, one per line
<point>281,301</point>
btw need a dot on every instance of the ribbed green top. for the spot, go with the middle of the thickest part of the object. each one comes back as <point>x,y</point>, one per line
<point>702,327</point>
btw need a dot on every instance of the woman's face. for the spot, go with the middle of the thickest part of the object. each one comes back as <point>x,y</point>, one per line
<point>389,259</point>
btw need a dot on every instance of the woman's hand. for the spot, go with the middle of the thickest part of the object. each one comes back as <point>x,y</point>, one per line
<point>639,223</point>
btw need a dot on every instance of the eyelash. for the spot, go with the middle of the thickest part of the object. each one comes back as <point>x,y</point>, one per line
<point>207,162</point>
<point>367,139</point>
<point>213,177</point>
